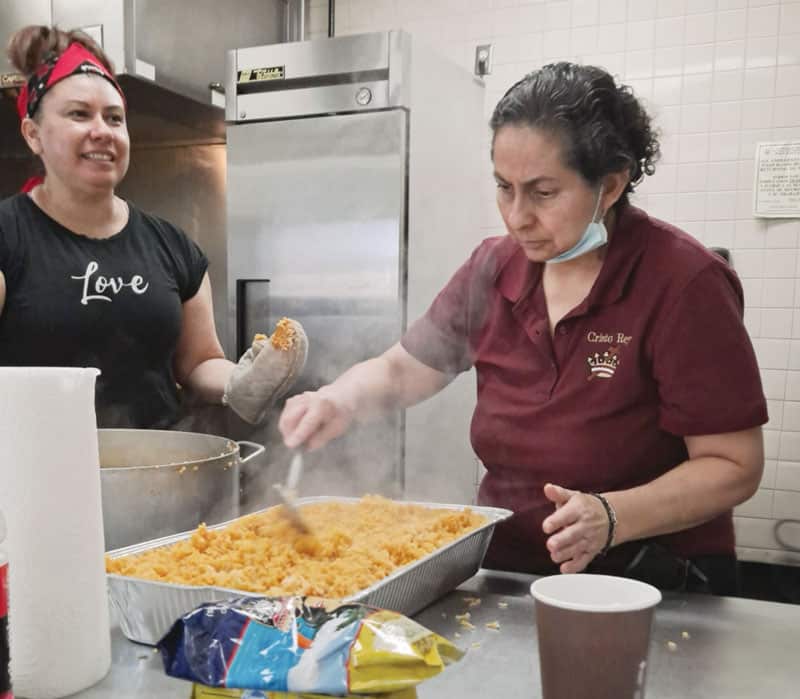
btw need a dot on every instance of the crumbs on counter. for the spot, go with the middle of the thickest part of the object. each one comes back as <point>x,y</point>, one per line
<point>494,625</point>
<point>502,605</point>
<point>181,470</point>
<point>685,635</point>
<point>672,646</point>
<point>463,620</point>
<point>472,601</point>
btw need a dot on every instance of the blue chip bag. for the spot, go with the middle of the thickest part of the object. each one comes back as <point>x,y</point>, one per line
<point>303,645</point>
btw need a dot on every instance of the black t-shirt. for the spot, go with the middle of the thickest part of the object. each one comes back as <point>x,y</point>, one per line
<point>112,303</point>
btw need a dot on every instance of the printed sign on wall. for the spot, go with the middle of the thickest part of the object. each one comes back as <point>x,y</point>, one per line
<point>776,189</point>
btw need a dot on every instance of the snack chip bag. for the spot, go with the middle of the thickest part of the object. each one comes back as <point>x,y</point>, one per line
<point>303,645</point>
<point>202,692</point>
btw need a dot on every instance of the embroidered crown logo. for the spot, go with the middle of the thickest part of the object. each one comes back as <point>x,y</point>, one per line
<point>603,365</point>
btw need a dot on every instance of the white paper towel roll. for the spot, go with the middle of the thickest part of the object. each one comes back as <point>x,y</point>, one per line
<point>50,494</point>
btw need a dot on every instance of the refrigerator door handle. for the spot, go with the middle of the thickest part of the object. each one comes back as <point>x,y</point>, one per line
<point>244,335</point>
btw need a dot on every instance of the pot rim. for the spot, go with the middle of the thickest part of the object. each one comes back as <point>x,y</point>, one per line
<point>231,451</point>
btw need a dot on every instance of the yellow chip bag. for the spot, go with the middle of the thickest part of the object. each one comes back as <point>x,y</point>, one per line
<point>392,651</point>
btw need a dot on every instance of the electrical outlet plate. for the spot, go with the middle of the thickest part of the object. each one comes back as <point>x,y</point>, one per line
<point>483,59</point>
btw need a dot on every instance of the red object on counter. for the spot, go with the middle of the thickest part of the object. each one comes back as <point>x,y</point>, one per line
<point>3,586</point>
<point>5,673</point>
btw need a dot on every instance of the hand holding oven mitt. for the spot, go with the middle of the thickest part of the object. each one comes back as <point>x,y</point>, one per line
<point>266,371</point>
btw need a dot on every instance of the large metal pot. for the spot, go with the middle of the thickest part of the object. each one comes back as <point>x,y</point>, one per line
<point>158,482</point>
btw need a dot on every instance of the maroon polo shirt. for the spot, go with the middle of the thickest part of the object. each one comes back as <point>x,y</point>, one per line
<point>656,351</point>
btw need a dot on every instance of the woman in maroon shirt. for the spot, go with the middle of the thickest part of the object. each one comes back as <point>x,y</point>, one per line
<point>619,401</point>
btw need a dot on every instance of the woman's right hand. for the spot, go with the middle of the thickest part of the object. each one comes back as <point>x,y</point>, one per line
<point>314,418</point>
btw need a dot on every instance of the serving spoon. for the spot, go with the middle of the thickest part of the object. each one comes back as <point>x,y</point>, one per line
<point>288,494</point>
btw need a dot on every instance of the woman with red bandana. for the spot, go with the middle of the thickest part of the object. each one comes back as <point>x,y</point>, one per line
<point>88,279</point>
<point>619,402</point>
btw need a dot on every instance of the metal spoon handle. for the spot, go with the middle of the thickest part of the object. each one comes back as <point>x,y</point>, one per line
<point>295,471</point>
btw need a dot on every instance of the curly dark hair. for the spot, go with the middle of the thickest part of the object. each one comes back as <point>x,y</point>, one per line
<point>602,126</point>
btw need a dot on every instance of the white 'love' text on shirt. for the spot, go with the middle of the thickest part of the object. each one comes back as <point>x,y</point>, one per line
<point>100,284</point>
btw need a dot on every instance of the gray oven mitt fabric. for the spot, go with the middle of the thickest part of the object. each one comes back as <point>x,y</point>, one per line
<point>266,371</point>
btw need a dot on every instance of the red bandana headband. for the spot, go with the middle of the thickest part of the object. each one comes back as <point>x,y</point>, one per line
<point>76,60</point>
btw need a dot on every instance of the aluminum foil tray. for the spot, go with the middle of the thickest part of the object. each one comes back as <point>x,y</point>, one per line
<point>147,609</point>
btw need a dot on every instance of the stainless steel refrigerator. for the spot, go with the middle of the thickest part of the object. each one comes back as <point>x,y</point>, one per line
<point>355,171</point>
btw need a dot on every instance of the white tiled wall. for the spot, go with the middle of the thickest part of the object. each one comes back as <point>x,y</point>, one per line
<point>719,76</point>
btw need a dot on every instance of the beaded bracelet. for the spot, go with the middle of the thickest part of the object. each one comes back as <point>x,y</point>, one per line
<point>612,522</point>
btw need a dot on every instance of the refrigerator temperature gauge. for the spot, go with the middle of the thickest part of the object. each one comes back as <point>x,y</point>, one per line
<point>364,96</point>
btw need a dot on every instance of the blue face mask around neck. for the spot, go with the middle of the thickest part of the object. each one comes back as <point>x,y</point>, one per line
<point>593,237</point>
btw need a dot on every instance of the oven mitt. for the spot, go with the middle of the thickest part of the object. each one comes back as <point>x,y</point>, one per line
<point>266,371</point>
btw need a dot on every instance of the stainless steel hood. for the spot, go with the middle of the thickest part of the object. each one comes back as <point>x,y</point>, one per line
<point>167,55</point>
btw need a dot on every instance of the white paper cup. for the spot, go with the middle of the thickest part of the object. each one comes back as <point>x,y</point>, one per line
<point>594,634</point>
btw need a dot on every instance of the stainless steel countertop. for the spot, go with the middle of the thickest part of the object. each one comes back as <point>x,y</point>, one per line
<point>735,648</point>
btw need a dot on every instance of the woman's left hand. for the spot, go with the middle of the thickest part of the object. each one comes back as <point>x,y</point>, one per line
<point>578,529</point>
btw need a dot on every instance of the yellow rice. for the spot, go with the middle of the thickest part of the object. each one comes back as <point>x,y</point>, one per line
<point>352,546</point>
